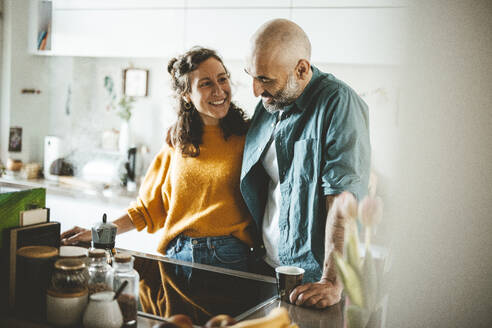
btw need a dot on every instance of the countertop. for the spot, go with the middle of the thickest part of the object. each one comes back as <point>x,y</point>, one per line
<point>76,188</point>
<point>207,292</point>
<point>202,291</point>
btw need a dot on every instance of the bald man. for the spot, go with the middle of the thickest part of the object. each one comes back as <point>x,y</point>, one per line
<point>307,144</point>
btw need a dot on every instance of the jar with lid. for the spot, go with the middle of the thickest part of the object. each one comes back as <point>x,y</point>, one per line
<point>128,299</point>
<point>69,276</point>
<point>66,297</point>
<point>33,276</point>
<point>100,272</point>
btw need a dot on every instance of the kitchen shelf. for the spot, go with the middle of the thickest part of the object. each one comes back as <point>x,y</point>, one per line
<point>42,38</point>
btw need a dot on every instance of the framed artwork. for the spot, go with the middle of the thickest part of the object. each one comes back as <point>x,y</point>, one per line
<point>135,82</point>
<point>15,139</point>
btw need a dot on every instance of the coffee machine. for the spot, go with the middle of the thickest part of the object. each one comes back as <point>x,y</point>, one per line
<point>53,148</point>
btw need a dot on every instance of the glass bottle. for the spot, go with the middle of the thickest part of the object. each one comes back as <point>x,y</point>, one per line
<point>100,272</point>
<point>128,299</point>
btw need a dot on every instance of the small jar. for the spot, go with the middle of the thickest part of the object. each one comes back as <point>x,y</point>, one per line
<point>100,272</point>
<point>128,299</point>
<point>66,297</point>
<point>69,276</point>
<point>102,312</point>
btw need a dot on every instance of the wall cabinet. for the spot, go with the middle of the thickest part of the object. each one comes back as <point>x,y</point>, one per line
<point>227,30</point>
<point>354,32</point>
<point>112,32</point>
<point>354,35</point>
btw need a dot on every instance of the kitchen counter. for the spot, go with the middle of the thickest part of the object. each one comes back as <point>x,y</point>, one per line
<point>169,287</point>
<point>76,188</point>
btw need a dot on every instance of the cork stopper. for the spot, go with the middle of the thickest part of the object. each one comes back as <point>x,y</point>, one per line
<point>122,258</point>
<point>37,252</point>
<point>97,253</point>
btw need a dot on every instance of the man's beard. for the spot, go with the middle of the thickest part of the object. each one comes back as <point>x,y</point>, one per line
<point>284,97</point>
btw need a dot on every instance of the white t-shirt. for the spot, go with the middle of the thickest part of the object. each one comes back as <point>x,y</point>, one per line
<point>270,227</point>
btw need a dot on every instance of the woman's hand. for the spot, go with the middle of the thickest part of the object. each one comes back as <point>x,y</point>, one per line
<point>76,235</point>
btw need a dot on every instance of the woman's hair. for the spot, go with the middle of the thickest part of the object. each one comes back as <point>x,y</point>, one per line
<point>186,133</point>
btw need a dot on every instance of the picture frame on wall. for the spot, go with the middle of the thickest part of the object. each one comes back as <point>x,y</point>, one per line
<point>15,139</point>
<point>135,82</point>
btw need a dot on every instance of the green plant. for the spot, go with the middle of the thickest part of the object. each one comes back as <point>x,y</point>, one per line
<point>123,106</point>
<point>362,276</point>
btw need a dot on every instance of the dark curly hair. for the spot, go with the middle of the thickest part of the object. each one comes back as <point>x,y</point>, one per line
<point>186,133</point>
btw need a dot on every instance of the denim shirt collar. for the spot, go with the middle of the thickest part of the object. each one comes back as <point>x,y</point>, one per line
<point>303,100</point>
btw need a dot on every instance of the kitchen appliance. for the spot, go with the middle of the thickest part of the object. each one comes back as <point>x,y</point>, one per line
<point>103,235</point>
<point>53,150</point>
<point>131,169</point>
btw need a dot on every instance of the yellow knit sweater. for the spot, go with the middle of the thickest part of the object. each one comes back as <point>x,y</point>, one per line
<point>195,196</point>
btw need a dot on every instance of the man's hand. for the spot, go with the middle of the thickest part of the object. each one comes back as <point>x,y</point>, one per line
<point>75,235</point>
<point>319,294</point>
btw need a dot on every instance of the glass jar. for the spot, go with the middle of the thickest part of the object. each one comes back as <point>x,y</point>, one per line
<point>128,299</point>
<point>69,276</point>
<point>100,272</point>
<point>66,298</point>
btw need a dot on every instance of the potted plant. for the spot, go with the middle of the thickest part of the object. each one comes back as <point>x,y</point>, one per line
<point>123,108</point>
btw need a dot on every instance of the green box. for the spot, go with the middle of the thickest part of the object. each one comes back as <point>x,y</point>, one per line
<point>12,202</point>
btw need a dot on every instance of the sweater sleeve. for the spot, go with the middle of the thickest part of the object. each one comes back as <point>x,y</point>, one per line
<point>152,204</point>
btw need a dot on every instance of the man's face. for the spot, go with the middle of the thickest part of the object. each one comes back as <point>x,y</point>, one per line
<point>274,82</point>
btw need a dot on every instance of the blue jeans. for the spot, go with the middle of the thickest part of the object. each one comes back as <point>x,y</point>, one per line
<point>223,251</point>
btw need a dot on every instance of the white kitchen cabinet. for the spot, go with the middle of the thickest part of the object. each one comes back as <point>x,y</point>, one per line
<point>117,4</point>
<point>348,3</point>
<point>113,32</point>
<point>227,30</point>
<point>238,4</point>
<point>347,32</point>
<point>354,35</point>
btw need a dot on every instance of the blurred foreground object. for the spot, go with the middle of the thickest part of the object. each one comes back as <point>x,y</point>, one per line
<point>277,318</point>
<point>362,276</point>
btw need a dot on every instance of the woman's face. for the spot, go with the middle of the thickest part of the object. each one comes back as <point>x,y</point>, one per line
<point>210,91</point>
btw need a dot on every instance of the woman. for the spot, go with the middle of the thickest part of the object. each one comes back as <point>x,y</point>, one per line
<point>191,189</point>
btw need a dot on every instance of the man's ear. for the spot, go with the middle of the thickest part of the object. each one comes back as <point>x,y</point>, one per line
<point>302,69</point>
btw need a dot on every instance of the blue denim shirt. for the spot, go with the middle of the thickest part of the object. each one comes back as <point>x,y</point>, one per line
<point>322,143</point>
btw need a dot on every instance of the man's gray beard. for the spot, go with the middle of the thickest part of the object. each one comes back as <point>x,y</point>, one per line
<point>284,97</point>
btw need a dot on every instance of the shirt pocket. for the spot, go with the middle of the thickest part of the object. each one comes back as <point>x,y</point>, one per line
<point>305,157</point>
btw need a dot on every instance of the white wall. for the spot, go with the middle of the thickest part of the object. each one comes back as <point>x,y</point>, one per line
<point>443,227</point>
<point>22,70</point>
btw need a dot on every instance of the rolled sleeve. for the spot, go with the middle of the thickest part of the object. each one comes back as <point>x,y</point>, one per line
<point>346,152</point>
<point>150,208</point>
<point>137,217</point>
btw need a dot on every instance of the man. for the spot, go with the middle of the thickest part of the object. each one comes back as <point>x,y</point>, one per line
<point>307,144</point>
